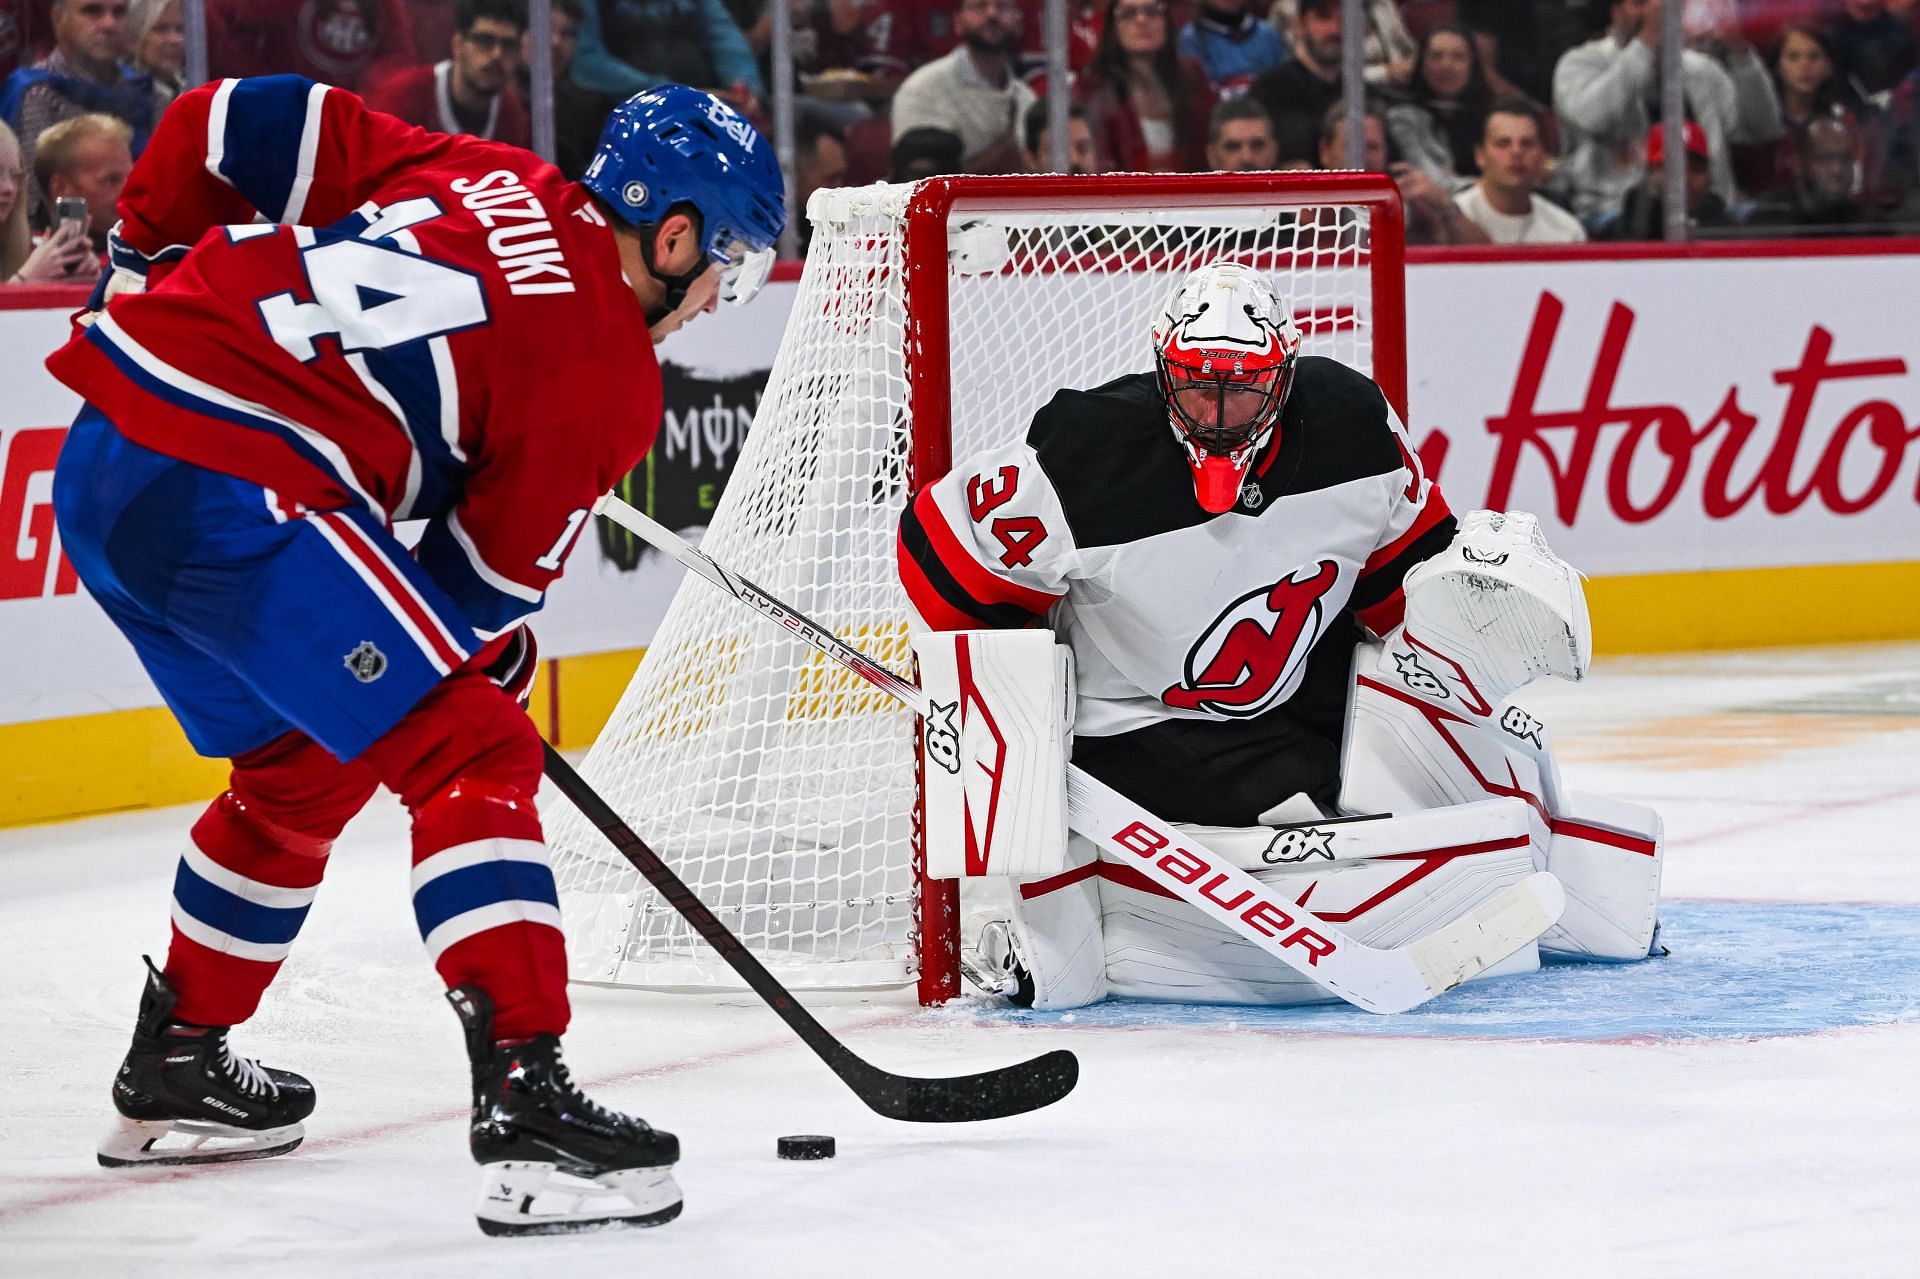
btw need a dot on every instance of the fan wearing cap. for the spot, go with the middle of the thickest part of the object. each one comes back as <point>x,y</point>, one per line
<point>1210,537</point>
<point>1642,213</point>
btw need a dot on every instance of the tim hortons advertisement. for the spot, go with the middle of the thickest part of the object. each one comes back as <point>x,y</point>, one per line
<point>1659,416</point>
<point>1663,416</point>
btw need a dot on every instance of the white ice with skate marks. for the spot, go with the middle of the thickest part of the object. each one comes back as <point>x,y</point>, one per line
<point>1197,1140</point>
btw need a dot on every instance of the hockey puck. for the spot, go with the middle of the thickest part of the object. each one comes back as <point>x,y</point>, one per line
<point>805,1147</point>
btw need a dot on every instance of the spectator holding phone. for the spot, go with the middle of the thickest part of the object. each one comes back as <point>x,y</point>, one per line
<point>86,158</point>
<point>85,73</point>
<point>63,255</point>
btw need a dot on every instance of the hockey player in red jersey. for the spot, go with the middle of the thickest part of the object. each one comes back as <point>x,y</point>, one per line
<point>321,322</point>
<point>1229,545</point>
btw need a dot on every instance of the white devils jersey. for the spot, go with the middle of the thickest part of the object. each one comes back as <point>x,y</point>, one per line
<point>1091,522</point>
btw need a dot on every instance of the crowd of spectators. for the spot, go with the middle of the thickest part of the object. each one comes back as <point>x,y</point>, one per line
<point>1510,121</point>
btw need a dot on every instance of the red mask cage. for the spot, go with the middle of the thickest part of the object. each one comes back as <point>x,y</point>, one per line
<point>1223,404</point>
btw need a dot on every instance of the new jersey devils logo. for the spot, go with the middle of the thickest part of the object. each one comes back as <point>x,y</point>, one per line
<point>1244,661</point>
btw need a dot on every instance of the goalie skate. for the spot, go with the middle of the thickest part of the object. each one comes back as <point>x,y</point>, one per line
<point>184,1098</point>
<point>995,966</point>
<point>555,1161</point>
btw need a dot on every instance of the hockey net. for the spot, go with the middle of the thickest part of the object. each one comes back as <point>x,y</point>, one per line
<point>930,321</point>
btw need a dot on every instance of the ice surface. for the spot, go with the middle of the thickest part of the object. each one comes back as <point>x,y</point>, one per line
<point>1744,1108</point>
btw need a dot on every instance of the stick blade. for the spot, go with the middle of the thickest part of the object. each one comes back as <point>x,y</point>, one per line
<point>1488,934</point>
<point>962,1099</point>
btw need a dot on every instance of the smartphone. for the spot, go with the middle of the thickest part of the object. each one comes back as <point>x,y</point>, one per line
<point>71,208</point>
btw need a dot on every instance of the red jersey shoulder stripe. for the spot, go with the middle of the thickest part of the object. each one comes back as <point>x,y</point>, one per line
<point>986,586</point>
<point>1432,513</point>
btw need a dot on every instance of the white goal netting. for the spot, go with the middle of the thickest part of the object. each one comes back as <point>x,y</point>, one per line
<point>778,786</point>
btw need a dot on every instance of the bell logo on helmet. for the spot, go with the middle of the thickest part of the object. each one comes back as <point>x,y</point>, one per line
<point>728,121</point>
<point>634,193</point>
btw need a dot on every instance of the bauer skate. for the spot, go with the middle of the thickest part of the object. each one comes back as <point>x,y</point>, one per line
<point>554,1160</point>
<point>184,1098</point>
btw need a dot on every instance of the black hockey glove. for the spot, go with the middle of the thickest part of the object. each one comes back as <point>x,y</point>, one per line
<point>510,661</point>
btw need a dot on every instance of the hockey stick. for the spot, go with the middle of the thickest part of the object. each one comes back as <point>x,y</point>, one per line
<point>1380,980</point>
<point>994,1094</point>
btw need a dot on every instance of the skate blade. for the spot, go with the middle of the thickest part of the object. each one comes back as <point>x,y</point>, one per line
<point>525,1197</point>
<point>141,1143</point>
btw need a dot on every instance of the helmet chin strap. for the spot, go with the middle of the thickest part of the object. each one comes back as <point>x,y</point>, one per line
<point>677,286</point>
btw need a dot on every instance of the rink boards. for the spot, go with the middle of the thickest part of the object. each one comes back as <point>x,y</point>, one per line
<point>1726,438</point>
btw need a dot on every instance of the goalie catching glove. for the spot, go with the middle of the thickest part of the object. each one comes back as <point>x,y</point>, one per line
<point>1502,604</point>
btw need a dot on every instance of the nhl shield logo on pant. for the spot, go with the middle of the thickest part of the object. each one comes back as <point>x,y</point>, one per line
<point>366,662</point>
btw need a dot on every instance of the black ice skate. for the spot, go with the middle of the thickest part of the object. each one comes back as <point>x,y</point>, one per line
<point>182,1081</point>
<point>555,1161</point>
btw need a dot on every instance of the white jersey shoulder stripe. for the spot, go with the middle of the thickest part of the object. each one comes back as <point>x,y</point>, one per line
<point>304,163</point>
<point>217,129</point>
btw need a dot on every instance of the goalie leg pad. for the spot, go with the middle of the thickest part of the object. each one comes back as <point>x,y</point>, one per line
<point>994,777</point>
<point>1158,947</point>
<point>1105,928</point>
<point>1057,933</point>
<point>1412,745</point>
<point>1607,853</point>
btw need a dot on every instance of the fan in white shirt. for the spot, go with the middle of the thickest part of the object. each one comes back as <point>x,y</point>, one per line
<point>1512,162</point>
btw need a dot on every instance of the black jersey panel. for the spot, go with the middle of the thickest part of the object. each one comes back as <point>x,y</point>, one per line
<point>1122,477</point>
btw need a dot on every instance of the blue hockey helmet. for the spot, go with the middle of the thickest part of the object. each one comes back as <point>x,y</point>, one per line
<point>671,144</point>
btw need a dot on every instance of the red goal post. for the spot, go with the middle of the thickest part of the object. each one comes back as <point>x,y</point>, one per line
<point>930,322</point>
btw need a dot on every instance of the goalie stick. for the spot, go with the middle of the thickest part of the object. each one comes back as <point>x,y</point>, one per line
<point>993,1094</point>
<point>1377,979</point>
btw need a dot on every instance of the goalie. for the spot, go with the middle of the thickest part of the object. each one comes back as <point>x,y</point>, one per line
<point>1270,629</point>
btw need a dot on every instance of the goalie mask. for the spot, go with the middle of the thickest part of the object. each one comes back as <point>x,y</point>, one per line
<point>1225,349</point>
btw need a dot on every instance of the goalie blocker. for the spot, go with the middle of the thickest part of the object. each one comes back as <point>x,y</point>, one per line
<point>1461,787</point>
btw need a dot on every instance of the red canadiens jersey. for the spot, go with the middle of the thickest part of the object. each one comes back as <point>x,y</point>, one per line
<point>1172,612</point>
<point>427,326</point>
